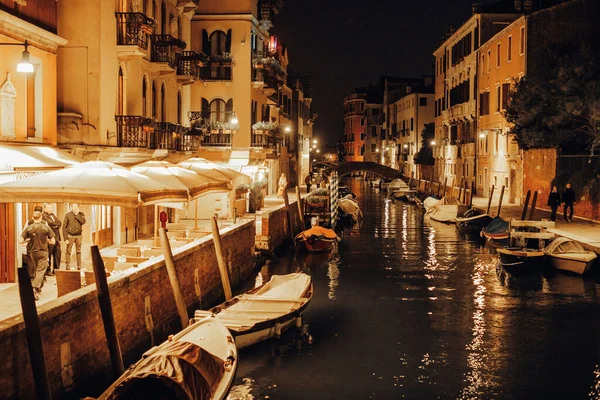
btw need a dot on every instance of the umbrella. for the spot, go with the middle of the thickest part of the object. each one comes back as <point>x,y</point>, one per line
<point>92,182</point>
<point>216,171</point>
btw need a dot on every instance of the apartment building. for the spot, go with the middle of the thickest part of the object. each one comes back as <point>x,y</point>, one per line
<point>355,125</point>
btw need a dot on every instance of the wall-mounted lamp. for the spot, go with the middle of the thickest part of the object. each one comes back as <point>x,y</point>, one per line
<point>315,141</point>
<point>432,142</point>
<point>287,129</point>
<point>482,135</point>
<point>376,150</point>
<point>234,119</point>
<point>25,65</point>
<point>405,146</point>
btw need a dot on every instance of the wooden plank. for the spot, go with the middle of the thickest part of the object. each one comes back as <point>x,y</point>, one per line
<point>262,298</point>
<point>532,235</point>
<point>534,224</point>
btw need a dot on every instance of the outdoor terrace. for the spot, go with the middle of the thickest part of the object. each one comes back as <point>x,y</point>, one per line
<point>133,29</point>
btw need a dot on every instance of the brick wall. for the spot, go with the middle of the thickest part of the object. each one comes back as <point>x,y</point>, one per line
<point>539,169</point>
<point>273,226</point>
<point>72,323</point>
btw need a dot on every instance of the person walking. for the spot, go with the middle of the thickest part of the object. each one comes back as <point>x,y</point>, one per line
<point>37,236</point>
<point>54,250</point>
<point>283,183</point>
<point>568,197</point>
<point>553,202</point>
<point>308,181</point>
<point>72,230</point>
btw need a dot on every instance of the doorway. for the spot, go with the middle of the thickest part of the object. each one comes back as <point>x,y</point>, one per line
<point>102,226</point>
<point>7,243</point>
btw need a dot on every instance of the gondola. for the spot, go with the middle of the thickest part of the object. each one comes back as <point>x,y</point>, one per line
<point>519,259</point>
<point>472,221</point>
<point>317,239</point>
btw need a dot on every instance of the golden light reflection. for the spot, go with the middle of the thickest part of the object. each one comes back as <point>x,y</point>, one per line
<point>477,358</point>
<point>431,263</point>
<point>595,391</point>
<point>404,233</point>
<point>333,272</point>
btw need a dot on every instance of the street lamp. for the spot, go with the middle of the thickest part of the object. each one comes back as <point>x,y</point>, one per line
<point>314,141</point>
<point>234,119</point>
<point>25,65</point>
<point>287,129</point>
<point>432,142</point>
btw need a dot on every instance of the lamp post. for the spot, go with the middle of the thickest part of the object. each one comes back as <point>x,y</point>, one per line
<point>25,65</point>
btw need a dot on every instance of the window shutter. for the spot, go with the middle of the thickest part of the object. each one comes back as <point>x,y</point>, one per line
<point>205,42</point>
<point>228,42</point>
<point>229,106</point>
<point>205,109</point>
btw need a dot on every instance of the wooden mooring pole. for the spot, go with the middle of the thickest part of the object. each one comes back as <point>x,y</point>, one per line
<point>490,200</point>
<point>460,187</point>
<point>533,205</point>
<point>299,203</point>
<point>173,279</point>
<point>220,258</point>
<point>34,336</point>
<point>472,192</point>
<point>525,205</point>
<point>108,318</point>
<point>286,202</point>
<point>500,201</point>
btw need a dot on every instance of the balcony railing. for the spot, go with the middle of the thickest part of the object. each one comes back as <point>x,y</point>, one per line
<point>264,139</point>
<point>165,49</point>
<point>189,142</point>
<point>133,130</point>
<point>217,140</point>
<point>216,71</point>
<point>133,29</point>
<point>166,136</point>
<point>189,63</point>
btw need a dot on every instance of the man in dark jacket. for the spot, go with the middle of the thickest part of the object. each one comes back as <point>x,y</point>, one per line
<point>568,197</point>
<point>553,202</point>
<point>72,230</point>
<point>53,249</point>
<point>37,236</point>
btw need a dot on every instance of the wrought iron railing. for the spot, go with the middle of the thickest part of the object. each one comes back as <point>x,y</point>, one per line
<point>217,140</point>
<point>133,29</point>
<point>133,130</point>
<point>216,71</point>
<point>265,140</point>
<point>166,136</point>
<point>189,63</point>
<point>188,142</point>
<point>165,49</point>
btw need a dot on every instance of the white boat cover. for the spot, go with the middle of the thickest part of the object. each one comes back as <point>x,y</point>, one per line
<point>290,286</point>
<point>398,184</point>
<point>350,207</point>
<point>562,245</point>
<point>449,201</point>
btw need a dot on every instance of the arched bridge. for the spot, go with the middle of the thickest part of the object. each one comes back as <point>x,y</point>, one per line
<point>347,168</point>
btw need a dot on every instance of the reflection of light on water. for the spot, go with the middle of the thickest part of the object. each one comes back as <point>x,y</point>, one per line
<point>404,232</point>
<point>243,391</point>
<point>431,263</point>
<point>595,392</point>
<point>333,272</point>
<point>258,281</point>
<point>476,360</point>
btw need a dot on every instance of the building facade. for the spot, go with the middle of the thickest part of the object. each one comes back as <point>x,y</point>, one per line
<point>354,125</point>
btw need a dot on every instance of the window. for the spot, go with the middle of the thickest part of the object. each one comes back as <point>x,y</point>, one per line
<point>412,124</point>
<point>163,103</point>
<point>496,142</point>
<point>145,97</point>
<point>498,55</point>
<point>522,41</point>
<point>218,43</point>
<point>154,100</point>
<point>505,94</point>
<point>217,111</point>
<point>179,107</point>
<point>480,179</point>
<point>423,101</point>
<point>362,122</point>
<point>484,103</point>
<point>509,52</point>
<point>489,57</point>
<point>482,64</point>
<point>362,106</point>
<point>373,130</point>
<point>498,99</point>
<point>373,147</point>
<point>121,92</point>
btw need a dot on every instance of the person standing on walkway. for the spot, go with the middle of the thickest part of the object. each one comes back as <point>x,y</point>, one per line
<point>37,236</point>
<point>72,230</point>
<point>568,197</point>
<point>553,202</point>
<point>308,181</point>
<point>54,250</point>
<point>283,184</point>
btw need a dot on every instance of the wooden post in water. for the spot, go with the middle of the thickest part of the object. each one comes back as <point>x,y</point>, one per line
<point>108,318</point>
<point>460,187</point>
<point>524,213</point>
<point>195,215</point>
<point>452,186</point>
<point>286,202</point>
<point>155,225</point>
<point>34,336</point>
<point>471,196</point>
<point>533,205</point>
<point>500,201</point>
<point>173,279</point>
<point>221,259</point>
<point>299,203</point>
<point>443,188</point>
<point>490,200</point>
<point>466,187</point>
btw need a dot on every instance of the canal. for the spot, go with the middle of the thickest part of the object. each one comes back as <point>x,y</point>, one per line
<point>409,309</point>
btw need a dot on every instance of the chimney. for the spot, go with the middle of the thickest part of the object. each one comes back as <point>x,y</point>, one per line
<point>528,5</point>
<point>475,8</point>
<point>518,5</point>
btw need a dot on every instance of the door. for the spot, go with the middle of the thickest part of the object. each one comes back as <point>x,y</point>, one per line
<point>7,243</point>
<point>102,226</point>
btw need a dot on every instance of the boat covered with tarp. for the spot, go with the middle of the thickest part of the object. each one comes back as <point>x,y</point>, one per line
<point>350,208</point>
<point>198,363</point>
<point>318,238</point>
<point>446,209</point>
<point>472,221</point>
<point>496,230</point>
<point>568,255</point>
<point>265,311</point>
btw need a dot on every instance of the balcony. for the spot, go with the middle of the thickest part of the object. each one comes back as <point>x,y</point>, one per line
<point>132,34</point>
<point>188,66</point>
<point>165,49</point>
<point>264,139</point>
<point>166,136</point>
<point>133,130</point>
<point>219,139</point>
<point>189,142</point>
<point>216,70</point>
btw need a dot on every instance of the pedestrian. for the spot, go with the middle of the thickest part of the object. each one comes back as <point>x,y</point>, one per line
<point>553,202</point>
<point>308,181</point>
<point>37,236</point>
<point>324,181</point>
<point>27,256</point>
<point>163,217</point>
<point>54,250</point>
<point>72,230</point>
<point>283,183</point>
<point>568,197</point>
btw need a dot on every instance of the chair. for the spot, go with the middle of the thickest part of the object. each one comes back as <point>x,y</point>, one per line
<point>129,251</point>
<point>67,281</point>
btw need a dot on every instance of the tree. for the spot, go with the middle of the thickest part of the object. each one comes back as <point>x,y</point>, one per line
<point>425,154</point>
<point>558,104</point>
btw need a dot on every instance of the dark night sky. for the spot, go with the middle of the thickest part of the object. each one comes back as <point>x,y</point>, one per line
<point>350,43</point>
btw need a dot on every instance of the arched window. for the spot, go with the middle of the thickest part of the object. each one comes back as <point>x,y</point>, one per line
<point>121,93</point>
<point>154,10</point>
<point>179,107</point>
<point>217,110</point>
<point>154,100</point>
<point>144,97</point>
<point>163,104</point>
<point>163,18</point>
<point>179,29</point>
<point>218,43</point>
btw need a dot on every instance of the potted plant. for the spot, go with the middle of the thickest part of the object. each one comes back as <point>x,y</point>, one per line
<point>256,196</point>
<point>148,26</point>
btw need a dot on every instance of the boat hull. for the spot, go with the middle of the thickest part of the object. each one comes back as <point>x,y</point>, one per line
<point>318,245</point>
<point>473,224</point>
<point>565,263</point>
<point>517,260</point>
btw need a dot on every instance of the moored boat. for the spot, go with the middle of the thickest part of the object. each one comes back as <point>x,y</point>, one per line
<point>496,231</point>
<point>266,311</point>
<point>318,239</point>
<point>568,255</point>
<point>519,259</point>
<point>198,363</point>
<point>472,221</point>
<point>446,210</point>
<point>350,208</point>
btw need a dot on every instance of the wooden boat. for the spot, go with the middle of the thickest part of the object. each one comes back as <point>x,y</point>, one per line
<point>446,210</point>
<point>198,363</point>
<point>429,202</point>
<point>349,207</point>
<point>398,189</point>
<point>496,231</point>
<point>472,221</point>
<point>568,255</point>
<point>318,239</point>
<point>266,311</point>
<point>519,259</point>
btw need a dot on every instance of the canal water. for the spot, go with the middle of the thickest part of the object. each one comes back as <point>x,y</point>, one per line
<point>410,309</point>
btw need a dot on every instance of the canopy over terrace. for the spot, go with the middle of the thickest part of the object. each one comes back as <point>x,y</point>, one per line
<point>93,182</point>
<point>25,158</point>
<point>215,171</point>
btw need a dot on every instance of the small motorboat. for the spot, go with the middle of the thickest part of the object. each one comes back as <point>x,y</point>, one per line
<point>350,208</point>
<point>318,239</point>
<point>198,363</point>
<point>266,311</point>
<point>446,210</point>
<point>496,231</point>
<point>399,190</point>
<point>472,221</point>
<point>519,259</point>
<point>568,255</point>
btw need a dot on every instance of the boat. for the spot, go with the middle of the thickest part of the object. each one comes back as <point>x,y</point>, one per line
<point>519,259</point>
<point>384,184</point>
<point>198,363</point>
<point>350,208</point>
<point>472,221</point>
<point>266,311</point>
<point>429,201</point>
<point>496,231</point>
<point>318,239</point>
<point>399,189</point>
<point>568,255</point>
<point>446,209</point>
